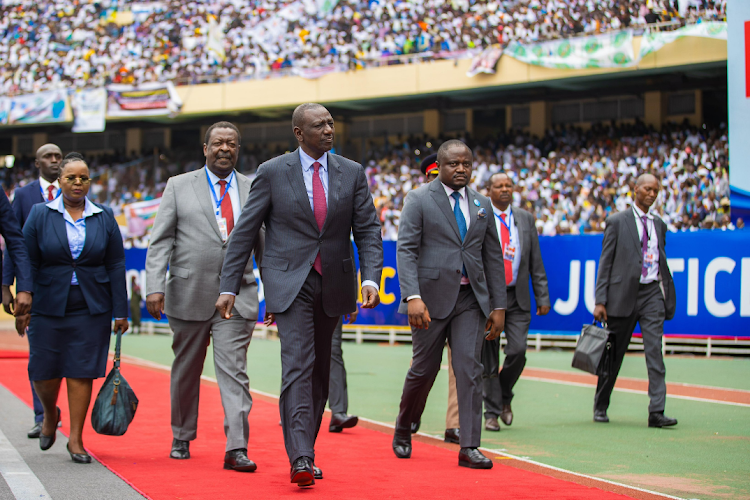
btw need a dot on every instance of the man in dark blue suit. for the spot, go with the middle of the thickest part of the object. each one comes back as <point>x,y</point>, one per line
<point>46,188</point>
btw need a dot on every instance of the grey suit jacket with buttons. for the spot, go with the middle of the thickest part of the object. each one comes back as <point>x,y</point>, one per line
<point>186,237</point>
<point>430,253</point>
<point>278,197</point>
<point>531,262</point>
<point>620,264</point>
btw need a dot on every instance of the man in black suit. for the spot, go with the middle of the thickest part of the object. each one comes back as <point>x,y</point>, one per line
<point>522,259</point>
<point>45,188</point>
<point>453,287</point>
<point>311,201</point>
<point>634,285</point>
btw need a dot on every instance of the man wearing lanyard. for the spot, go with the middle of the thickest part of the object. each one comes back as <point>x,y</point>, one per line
<point>191,232</point>
<point>634,285</point>
<point>45,188</point>
<point>523,260</point>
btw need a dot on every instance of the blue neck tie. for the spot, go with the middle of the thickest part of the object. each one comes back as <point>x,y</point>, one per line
<point>460,220</point>
<point>459,215</point>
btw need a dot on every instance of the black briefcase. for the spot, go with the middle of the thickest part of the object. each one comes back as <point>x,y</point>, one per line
<point>590,348</point>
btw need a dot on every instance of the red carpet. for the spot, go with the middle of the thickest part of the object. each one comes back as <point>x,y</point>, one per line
<point>358,463</point>
<point>4,354</point>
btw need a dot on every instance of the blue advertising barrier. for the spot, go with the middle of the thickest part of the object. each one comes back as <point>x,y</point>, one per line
<point>711,271</point>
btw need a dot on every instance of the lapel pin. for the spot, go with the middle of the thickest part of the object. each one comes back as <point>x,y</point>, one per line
<point>482,213</point>
<point>476,202</point>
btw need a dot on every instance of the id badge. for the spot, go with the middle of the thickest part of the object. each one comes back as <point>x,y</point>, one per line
<point>510,252</point>
<point>223,228</point>
<point>650,259</point>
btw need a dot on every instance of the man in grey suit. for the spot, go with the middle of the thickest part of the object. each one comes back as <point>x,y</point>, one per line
<point>522,259</point>
<point>452,280</point>
<point>191,232</point>
<point>634,285</point>
<point>338,395</point>
<point>311,202</point>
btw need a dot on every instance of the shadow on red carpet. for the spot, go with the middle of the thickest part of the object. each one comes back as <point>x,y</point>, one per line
<point>357,464</point>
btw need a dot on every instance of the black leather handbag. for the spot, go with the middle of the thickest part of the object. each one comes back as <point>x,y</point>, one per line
<point>590,348</point>
<point>116,403</point>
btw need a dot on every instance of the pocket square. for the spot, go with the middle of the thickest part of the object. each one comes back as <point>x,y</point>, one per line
<point>482,213</point>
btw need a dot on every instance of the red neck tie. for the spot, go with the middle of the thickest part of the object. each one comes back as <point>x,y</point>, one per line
<point>320,209</point>
<point>50,195</point>
<point>226,207</point>
<point>505,237</point>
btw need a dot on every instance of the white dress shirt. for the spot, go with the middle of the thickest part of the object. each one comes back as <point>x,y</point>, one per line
<point>514,239</point>
<point>653,243</point>
<point>234,194</point>
<point>44,184</point>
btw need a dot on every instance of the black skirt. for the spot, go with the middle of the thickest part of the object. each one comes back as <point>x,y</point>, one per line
<point>74,346</point>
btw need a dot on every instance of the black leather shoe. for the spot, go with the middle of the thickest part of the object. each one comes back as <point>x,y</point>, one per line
<point>506,415</point>
<point>452,435</point>
<point>237,460</point>
<point>402,444</point>
<point>302,472</point>
<point>35,431</point>
<point>317,473</point>
<point>601,416</point>
<point>79,458</point>
<point>415,426</point>
<point>341,421</point>
<point>180,449</point>
<point>473,459</point>
<point>46,442</point>
<point>491,424</point>
<point>658,419</point>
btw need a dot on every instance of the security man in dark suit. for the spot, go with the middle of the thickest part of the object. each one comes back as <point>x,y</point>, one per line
<point>45,188</point>
<point>522,259</point>
<point>634,285</point>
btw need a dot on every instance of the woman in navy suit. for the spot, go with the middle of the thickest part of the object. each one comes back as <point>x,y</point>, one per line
<point>78,268</point>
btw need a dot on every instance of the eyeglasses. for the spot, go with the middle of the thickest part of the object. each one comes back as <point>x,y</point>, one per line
<point>71,179</point>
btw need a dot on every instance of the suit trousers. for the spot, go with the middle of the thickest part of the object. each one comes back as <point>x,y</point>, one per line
<point>497,389</point>
<point>231,339</point>
<point>451,414</point>
<point>306,334</point>
<point>649,312</point>
<point>464,330</point>
<point>338,398</point>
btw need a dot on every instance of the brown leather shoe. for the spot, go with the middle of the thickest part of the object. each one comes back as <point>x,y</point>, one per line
<point>506,415</point>
<point>491,424</point>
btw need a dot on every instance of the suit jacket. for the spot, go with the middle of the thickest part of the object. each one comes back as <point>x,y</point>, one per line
<point>531,262</point>
<point>430,253</point>
<point>17,257</point>
<point>100,268</point>
<point>620,266</point>
<point>186,238</point>
<point>293,240</point>
<point>24,198</point>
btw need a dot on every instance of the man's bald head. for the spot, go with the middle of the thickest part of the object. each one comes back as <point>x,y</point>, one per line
<point>644,178</point>
<point>48,159</point>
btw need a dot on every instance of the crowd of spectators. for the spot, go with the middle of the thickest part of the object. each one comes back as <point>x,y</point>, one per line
<point>570,179</point>
<point>49,44</point>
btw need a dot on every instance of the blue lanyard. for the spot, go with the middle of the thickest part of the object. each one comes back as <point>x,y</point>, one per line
<point>506,224</point>
<point>44,195</point>
<point>218,201</point>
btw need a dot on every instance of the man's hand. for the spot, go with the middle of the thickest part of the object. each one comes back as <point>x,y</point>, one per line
<point>495,324</point>
<point>269,319</point>
<point>8,304</point>
<point>155,305</point>
<point>351,317</point>
<point>121,326</point>
<point>419,316</point>
<point>225,304</point>
<point>370,297</point>
<point>542,310</point>
<point>23,303</point>
<point>22,323</point>
<point>600,312</point>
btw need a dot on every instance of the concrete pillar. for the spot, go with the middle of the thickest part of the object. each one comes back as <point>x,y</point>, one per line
<point>342,134</point>
<point>698,116</point>
<point>653,109</point>
<point>167,138</point>
<point>538,120</point>
<point>470,121</point>
<point>508,117</point>
<point>133,137</point>
<point>39,140</point>
<point>433,123</point>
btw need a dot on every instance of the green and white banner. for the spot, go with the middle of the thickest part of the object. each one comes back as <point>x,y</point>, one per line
<point>599,51</point>
<point>651,42</point>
